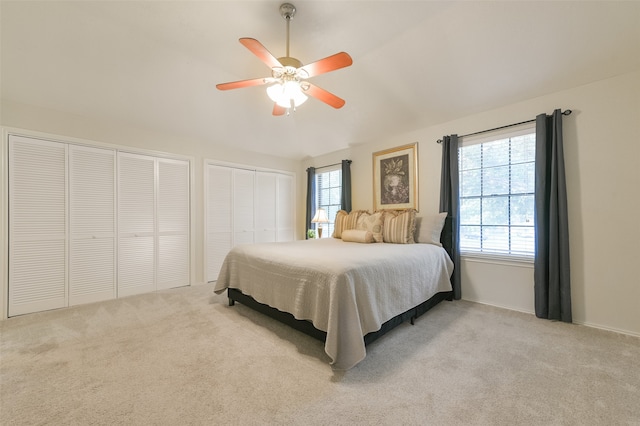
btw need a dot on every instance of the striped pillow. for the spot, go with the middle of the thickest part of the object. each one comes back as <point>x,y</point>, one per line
<point>399,226</point>
<point>351,221</point>
<point>338,224</point>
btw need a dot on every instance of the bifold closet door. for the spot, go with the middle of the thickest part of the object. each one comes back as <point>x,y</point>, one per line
<point>92,220</point>
<point>136,224</point>
<point>173,223</point>
<point>266,207</point>
<point>285,222</point>
<point>274,207</point>
<point>230,213</point>
<point>37,225</point>
<point>219,217</point>
<point>243,206</point>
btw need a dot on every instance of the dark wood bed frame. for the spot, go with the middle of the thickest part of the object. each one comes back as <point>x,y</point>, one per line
<point>307,327</point>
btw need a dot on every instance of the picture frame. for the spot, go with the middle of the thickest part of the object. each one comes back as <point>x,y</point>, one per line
<point>395,178</point>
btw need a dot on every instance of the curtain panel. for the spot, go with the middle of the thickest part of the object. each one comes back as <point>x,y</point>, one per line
<point>552,280</point>
<point>345,198</point>
<point>450,203</point>
<point>311,199</point>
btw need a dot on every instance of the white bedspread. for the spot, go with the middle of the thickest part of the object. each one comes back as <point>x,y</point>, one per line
<point>345,289</point>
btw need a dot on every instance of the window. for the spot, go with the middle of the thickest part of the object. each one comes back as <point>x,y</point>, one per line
<point>497,181</point>
<point>328,194</point>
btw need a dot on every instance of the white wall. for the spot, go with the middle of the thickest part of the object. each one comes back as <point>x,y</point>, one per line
<point>602,148</point>
<point>602,159</point>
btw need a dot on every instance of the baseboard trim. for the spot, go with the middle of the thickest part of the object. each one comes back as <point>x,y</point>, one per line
<point>496,305</point>
<point>605,328</point>
<point>583,323</point>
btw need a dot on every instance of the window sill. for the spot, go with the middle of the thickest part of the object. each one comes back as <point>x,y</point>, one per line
<point>516,261</point>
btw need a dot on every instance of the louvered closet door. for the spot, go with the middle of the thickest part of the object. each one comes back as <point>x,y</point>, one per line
<point>173,223</point>
<point>265,207</point>
<point>285,208</point>
<point>37,225</point>
<point>243,206</point>
<point>136,224</point>
<point>92,225</point>
<point>219,217</point>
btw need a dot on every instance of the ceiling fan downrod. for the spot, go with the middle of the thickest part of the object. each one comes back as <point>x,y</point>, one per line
<point>288,11</point>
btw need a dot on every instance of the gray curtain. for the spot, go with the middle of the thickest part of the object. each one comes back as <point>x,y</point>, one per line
<point>311,199</point>
<point>345,199</point>
<point>552,284</point>
<point>450,202</point>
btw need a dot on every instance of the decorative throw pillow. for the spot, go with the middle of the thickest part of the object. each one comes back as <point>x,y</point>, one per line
<point>351,221</point>
<point>338,224</point>
<point>357,236</point>
<point>373,223</point>
<point>399,226</point>
<point>429,228</point>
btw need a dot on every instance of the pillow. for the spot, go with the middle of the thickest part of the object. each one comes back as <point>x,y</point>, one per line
<point>357,236</point>
<point>351,221</point>
<point>338,224</point>
<point>371,222</point>
<point>429,228</point>
<point>399,226</point>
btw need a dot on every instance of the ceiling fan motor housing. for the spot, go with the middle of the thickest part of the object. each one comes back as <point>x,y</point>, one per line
<point>288,61</point>
<point>287,10</point>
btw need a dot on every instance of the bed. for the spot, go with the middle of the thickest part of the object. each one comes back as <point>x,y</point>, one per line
<point>346,294</point>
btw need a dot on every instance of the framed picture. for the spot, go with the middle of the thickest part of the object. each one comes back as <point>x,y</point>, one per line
<point>395,178</point>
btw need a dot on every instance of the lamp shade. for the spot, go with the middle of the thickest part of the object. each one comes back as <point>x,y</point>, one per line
<point>287,93</point>
<point>320,216</point>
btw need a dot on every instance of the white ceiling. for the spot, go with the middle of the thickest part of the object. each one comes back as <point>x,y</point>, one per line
<point>417,63</point>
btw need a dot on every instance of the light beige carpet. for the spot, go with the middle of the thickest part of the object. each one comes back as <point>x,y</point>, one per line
<point>184,357</point>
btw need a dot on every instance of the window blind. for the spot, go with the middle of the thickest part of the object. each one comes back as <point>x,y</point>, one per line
<point>497,181</point>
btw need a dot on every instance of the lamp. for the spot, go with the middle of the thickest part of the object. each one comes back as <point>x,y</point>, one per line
<point>287,94</point>
<point>320,217</point>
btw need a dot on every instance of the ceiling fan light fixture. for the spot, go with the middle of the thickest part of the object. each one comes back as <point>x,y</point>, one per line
<point>288,94</point>
<point>287,86</point>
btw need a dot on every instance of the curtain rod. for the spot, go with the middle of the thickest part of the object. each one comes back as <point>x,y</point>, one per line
<point>565,112</point>
<point>331,165</point>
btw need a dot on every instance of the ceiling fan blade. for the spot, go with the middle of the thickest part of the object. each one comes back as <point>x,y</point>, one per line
<point>330,63</point>
<point>242,83</point>
<point>260,51</point>
<point>324,96</point>
<point>278,110</point>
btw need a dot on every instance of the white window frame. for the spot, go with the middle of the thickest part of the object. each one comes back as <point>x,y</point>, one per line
<point>485,137</point>
<point>330,208</point>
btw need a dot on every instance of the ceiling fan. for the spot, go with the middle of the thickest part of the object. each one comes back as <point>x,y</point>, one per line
<point>288,86</point>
